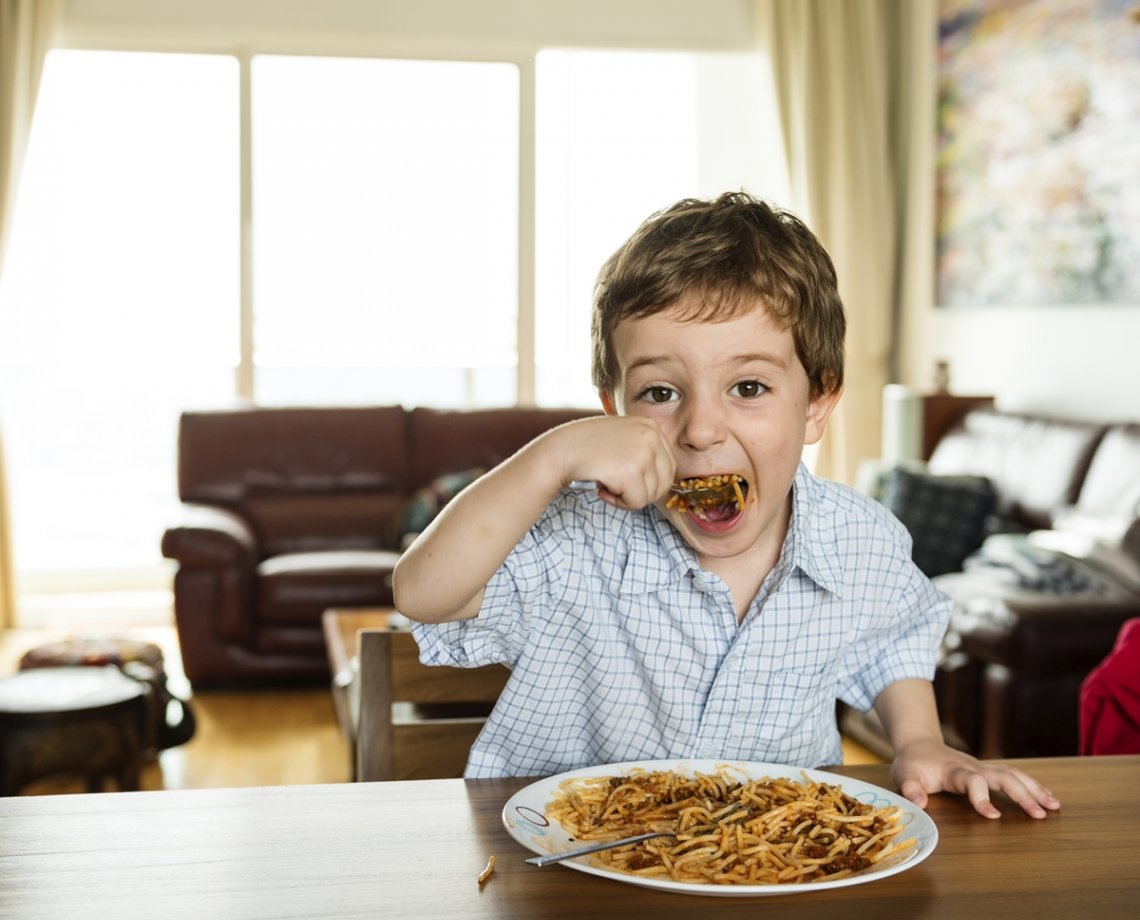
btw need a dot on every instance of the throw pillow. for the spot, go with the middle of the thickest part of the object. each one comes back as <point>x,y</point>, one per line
<point>427,502</point>
<point>946,515</point>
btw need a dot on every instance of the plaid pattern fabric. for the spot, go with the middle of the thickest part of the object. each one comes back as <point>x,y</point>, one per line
<point>623,648</point>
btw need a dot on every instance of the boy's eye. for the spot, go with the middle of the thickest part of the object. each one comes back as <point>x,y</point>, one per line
<point>658,394</point>
<point>749,389</point>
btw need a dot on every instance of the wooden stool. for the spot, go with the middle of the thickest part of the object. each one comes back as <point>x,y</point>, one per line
<point>81,720</point>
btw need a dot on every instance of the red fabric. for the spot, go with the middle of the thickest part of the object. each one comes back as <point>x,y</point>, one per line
<point>1110,698</point>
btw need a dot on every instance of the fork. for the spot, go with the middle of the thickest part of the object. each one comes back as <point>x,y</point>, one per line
<point>596,847</point>
<point>724,490</point>
<point>610,844</point>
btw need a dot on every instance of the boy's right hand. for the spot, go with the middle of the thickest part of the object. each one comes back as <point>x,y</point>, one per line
<point>629,458</point>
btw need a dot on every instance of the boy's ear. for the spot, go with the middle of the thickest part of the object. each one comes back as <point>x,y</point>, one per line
<point>607,399</point>
<point>819,411</point>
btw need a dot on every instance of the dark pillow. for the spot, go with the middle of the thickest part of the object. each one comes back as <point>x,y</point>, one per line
<point>946,515</point>
<point>427,502</point>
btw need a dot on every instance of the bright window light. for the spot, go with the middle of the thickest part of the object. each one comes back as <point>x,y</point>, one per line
<point>617,140</point>
<point>386,230</point>
<point>119,301</point>
<point>124,248</point>
<point>620,135</point>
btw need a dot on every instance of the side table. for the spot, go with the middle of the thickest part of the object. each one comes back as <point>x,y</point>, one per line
<point>89,721</point>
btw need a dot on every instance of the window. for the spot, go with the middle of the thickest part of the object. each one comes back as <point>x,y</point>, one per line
<point>385,226</point>
<point>119,304</point>
<point>384,266</point>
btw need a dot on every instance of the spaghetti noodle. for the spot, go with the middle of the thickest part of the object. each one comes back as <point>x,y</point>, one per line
<point>713,490</point>
<point>770,830</point>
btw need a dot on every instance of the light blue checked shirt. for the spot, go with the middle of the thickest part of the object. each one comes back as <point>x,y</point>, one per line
<point>622,648</point>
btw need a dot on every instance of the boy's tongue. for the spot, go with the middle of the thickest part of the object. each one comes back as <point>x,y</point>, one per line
<point>719,512</point>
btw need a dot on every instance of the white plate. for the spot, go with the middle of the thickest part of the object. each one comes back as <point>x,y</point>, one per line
<point>524,816</point>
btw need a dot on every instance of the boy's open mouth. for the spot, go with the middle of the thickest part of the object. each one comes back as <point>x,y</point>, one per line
<point>712,498</point>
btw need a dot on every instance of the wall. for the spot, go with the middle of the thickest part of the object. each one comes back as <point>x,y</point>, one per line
<point>415,24</point>
<point>1074,362</point>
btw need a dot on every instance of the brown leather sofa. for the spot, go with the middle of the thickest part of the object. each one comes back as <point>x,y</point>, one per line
<point>1022,638</point>
<point>289,511</point>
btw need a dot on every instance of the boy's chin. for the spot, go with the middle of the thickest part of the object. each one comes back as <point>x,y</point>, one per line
<point>714,539</point>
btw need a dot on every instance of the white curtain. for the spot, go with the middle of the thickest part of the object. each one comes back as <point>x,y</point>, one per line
<point>27,30</point>
<point>838,69</point>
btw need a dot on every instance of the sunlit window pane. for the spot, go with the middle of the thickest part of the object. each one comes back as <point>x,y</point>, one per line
<point>119,301</point>
<point>125,242</point>
<point>617,140</point>
<point>385,215</point>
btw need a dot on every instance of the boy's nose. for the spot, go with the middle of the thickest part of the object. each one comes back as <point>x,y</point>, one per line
<point>703,424</point>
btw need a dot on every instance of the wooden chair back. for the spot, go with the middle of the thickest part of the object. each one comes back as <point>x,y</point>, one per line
<point>415,721</point>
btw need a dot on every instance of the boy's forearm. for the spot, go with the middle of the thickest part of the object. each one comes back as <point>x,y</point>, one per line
<point>908,712</point>
<point>442,575</point>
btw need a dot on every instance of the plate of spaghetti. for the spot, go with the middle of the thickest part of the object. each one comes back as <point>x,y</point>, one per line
<point>733,828</point>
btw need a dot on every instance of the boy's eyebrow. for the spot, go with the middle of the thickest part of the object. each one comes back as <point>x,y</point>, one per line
<point>647,361</point>
<point>761,356</point>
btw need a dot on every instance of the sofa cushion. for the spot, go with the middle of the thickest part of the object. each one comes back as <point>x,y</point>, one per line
<point>225,457</point>
<point>298,587</point>
<point>428,502</point>
<point>1112,486</point>
<point>945,515</point>
<point>323,521</point>
<point>1035,464</point>
<point>443,441</point>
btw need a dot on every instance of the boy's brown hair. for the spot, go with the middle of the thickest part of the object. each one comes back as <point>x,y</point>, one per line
<point>718,258</point>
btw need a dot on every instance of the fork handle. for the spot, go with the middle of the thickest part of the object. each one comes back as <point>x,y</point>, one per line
<point>589,485</point>
<point>594,848</point>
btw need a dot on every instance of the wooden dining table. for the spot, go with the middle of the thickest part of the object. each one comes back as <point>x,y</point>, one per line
<point>415,849</point>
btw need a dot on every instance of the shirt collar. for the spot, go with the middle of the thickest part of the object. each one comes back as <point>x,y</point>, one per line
<point>658,556</point>
<point>809,548</point>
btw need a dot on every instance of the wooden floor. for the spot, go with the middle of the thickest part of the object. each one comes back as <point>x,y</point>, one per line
<point>244,738</point>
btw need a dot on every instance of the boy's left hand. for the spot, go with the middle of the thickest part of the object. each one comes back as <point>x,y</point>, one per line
<point>923,768</point>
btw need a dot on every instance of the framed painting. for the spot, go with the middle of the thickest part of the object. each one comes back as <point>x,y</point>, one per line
<point>1038,153</point>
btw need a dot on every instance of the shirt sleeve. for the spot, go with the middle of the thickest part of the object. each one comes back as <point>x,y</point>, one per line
<point>525,585</point>
<point>902,625</point>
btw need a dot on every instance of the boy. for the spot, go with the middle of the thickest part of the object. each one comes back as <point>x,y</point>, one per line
<point>639,628</point>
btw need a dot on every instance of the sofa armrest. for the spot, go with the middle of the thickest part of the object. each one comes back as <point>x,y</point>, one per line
<point>1011,669</point>
<point>210,537</point>
<point>1041,634</point>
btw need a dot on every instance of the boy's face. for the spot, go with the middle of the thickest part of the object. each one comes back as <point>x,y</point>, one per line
<point>732,397</point>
